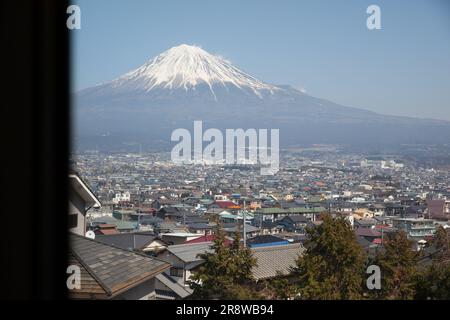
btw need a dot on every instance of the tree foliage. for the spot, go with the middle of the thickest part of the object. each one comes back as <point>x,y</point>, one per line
<point>398,263</point>
<point>279,287</point>
<point>441,242</point>
<point>334,263</point>
<point>226,271</point>
<point>434,282</point>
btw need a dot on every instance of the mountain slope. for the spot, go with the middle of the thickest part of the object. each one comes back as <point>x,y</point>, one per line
<point>186,67</point>
<point>186,83</point>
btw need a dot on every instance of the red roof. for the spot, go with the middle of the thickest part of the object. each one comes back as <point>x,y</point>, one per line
<point>106,228</point>
<point>377,241</point>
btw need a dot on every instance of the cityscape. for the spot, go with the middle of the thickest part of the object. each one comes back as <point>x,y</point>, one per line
<point>169,211</point>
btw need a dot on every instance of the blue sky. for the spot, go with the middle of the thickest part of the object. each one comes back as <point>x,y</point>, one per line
<point>322,46</point>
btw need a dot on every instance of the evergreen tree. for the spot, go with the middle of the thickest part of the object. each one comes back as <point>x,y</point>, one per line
<point>279,287</point>
<point>240,268</point>
<point>441,242</point>
<point>226,271</point>
<point>434,282</point>
<point>398,265</point>
<point>334,264</point>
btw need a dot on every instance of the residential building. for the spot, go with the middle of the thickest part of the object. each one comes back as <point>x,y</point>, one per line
<point>81,199</point>
<point>108,272</point>
<point>415,228</point>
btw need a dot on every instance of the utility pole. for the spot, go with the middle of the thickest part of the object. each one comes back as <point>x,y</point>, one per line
<point>245,234</point>
<point>138,225</point>
<point>261,225</point>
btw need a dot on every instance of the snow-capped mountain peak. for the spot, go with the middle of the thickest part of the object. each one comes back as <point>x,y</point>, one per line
<point>187,66</point>
<point>186,83</point>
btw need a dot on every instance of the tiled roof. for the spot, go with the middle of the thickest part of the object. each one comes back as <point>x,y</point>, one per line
<point>107,270</point>
<point>367,232</point>
<point>88,284</point>
<point>248,229</point>
<point>127,241</point>
<point>269,260</point>
<point>189,252</point>
<point>365,222</point>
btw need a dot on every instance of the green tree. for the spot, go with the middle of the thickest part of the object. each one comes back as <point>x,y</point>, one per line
<point>240,268</point>
<point>398,265</point>
<point>279,287</point>
<point>226,271</point>
<point>434,282</point>
<point>333,265</point>
<point>441,242</point>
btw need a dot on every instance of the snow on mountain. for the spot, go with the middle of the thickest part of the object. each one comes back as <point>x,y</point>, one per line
<point>186,66</point>
<point>186,83</point>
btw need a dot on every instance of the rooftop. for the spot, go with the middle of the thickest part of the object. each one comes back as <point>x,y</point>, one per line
<point>190,252</point>
<point>106,270</point>
<point>269,260</point>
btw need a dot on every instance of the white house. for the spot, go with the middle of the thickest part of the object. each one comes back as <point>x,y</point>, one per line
<point>121,197</point>
<point>81,199</point>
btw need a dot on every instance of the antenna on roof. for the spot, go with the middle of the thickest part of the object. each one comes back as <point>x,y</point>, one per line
<point>90,234</point>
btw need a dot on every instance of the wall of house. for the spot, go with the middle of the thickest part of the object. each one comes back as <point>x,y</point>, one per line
<point>178,239</point>
<point>155,247</point>
<point>187,274</point>
<point>77,206</point>
<point>164,292</point>
<point>144,291</point>
<point>175,262</point>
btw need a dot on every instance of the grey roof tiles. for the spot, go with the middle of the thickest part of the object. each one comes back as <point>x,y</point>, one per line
<point>112,268</point>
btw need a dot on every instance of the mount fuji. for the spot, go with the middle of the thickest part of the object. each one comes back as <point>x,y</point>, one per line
<point>186,83</point>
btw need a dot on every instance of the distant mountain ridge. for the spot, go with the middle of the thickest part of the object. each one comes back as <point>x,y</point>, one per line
<point>186,83</point>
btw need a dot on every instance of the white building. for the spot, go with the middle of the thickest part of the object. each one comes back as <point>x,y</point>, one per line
<point>121,197</point>
<point>81,199</point>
